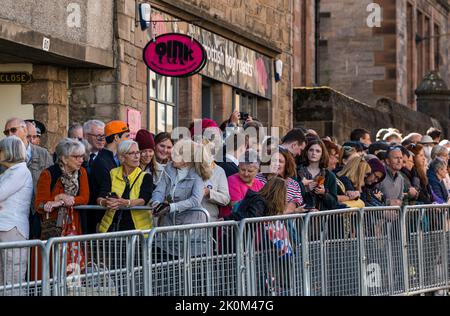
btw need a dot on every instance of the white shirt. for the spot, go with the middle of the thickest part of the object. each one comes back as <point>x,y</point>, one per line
<point>16,190</point>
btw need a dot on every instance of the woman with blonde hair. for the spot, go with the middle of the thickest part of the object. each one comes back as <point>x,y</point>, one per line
<point>182,185</point>
<point>216,193</point>
<point>352,177</point>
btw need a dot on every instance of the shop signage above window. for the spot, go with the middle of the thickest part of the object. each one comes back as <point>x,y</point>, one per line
<point>227,61</point>
<point>175,55</point>
<point>14,77</point>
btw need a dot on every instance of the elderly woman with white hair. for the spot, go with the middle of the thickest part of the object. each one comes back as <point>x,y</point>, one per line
<point>16,189</point>
<point>127,187</point>
<point>244,180</point>
<point>60,187</point>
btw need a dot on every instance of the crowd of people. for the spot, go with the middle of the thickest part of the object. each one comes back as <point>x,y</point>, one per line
<point>99,164</point>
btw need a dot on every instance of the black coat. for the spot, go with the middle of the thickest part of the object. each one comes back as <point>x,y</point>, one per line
<point>253,205</point>
<point>98,178</point>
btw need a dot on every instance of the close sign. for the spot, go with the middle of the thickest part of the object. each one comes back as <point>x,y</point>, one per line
<point>175,55</point>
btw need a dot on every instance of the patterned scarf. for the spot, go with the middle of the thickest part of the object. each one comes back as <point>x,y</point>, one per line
<point>71,187</point>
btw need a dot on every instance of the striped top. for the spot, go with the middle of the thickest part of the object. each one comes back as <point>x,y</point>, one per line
<point>294,193</point>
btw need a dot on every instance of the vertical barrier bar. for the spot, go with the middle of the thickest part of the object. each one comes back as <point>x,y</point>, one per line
<point>131,243</point>
<point>146,263</point>
<point>306,263</point>
<point>363,255</point>
<point>405,245</point>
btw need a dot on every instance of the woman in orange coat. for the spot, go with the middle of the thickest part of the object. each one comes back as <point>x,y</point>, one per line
<point>60,187</point>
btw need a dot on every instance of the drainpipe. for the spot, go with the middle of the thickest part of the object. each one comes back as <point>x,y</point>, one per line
<point>316,42</point>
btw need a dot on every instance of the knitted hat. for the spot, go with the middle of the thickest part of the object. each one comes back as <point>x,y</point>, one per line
<point>116,127</point>
<point>376,165</point>
<point>145,140</point>
<point>205,124</point>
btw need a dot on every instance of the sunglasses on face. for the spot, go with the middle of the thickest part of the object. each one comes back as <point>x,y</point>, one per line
<point>12,130</point>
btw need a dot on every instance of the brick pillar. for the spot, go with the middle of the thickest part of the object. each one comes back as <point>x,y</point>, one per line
<point>190,100</point>
<point>48,93</point>
<point>222,101</point>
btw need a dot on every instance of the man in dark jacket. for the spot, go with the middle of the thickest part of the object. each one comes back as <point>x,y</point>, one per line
<point>228,157</point>
<point>115,132</point>
<point>436,174</point>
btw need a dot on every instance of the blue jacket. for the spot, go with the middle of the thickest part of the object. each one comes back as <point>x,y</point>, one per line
<point>438,188</point>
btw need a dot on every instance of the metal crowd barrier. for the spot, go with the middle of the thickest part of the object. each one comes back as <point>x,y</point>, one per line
<point>196,259</point>
<point>20,274</point>
<point>370,251</point>
<point>427,240</point>
<point>272,255</point>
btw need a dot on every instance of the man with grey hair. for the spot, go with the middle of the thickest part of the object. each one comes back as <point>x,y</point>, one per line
<point>37,159</point>
<point>94,133</point>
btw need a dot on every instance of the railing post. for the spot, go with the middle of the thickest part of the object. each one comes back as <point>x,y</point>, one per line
<point>363,255</point>
<point>145,263</point>
<point>306,263</point>
<point>45,259</point>
<point>405,245</point>
<point>131,252</point>
<point>238,230</point>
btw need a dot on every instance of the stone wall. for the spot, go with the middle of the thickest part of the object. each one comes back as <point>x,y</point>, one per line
<point>79,30</point>
<point>332,113</point>
<point>369,63</point>
<point>48,94</point>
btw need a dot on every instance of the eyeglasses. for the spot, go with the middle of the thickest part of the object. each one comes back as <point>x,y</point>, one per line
<point>98,137</point>
<point>34,136</point>
<point>77,156</point>
<point>134,153</point>
<point>12,130</point>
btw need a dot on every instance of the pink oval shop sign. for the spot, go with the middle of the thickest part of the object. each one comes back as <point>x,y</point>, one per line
<point>175,55</point>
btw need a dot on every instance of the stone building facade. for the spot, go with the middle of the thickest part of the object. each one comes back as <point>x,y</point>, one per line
<point>369,61</point>
<point>93,66</point>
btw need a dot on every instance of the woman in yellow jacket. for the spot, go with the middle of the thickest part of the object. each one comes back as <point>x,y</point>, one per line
<point>128,186</point>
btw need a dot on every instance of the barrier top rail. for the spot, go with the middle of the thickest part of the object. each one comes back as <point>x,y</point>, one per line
<point>98,236</point>
<point>136,208</point>
<point>272,218</point>
<point>22,244</point>
<point>383,208</point>
<point>191,226</point>
<point>332,212</point>
<point>416,207</point>
<point>102,208</point>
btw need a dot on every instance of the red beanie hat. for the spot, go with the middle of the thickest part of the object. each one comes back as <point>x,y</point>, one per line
<point>206,122</point>
<point>145,140</point>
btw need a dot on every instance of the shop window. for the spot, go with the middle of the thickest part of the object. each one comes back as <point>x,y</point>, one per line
<point>207,104</point>
<point>245,102</point>
<point>162,108</point>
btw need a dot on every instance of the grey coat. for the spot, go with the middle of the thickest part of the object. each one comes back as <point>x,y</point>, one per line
<point>188,194</point>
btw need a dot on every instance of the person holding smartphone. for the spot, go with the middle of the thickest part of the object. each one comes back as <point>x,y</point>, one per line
<point>318,184</point>
<point>128,186</point>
